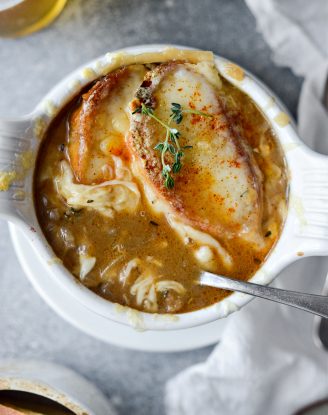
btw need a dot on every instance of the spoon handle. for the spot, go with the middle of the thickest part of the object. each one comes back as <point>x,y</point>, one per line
<point>316,304</point>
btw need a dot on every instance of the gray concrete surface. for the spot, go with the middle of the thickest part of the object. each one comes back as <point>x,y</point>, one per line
<point>29,67</point>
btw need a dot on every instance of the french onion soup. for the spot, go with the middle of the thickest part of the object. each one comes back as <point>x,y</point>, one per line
<point>154,172</point>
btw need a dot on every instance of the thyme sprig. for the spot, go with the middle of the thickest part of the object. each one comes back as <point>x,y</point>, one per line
<point>171,142</point>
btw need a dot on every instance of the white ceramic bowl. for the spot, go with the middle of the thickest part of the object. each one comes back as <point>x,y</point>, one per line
<point>305,232</point>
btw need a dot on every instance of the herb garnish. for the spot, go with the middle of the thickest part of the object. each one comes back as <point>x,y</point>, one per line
<point>171,143</point>
<point>177,112</point>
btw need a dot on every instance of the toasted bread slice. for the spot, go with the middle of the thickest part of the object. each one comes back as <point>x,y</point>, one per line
<point>99,123</point>
<point>219,188</point>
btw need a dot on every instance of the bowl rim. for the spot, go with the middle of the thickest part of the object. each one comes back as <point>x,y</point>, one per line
<point>279,257</point>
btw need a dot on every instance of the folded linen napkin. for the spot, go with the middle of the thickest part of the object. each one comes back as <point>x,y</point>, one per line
<point>267,362</point>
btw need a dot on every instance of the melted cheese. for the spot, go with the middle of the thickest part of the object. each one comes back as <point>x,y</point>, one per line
<point>234,71</point>
<point>87,262</point>
<point>282,119</point>
<point>222,171</point>
<point>119,59</point>
<point>145,289</point>
<point>6,179</point>
<point>98,126</point>
<point>108,197</point>
<point>145,283</point>
<point>200,239</point>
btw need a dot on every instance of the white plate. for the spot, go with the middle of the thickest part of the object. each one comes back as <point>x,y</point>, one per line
<point>101,328</point>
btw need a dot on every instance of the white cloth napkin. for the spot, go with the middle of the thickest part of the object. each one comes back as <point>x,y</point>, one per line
<point>267,363</point>
<point>297,32</point>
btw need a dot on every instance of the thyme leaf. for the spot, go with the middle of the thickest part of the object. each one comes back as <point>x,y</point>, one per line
<point>177,112</point>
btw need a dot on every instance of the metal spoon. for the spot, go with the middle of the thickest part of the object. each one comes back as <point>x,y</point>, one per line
<point>321,325</point>
<point>316,304</point>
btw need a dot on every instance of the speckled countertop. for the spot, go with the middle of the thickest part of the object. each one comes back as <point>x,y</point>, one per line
<point>29,67</point>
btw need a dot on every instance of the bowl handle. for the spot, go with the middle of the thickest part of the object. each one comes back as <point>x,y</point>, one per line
<point>16,160</point>
<point>309,199</point>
